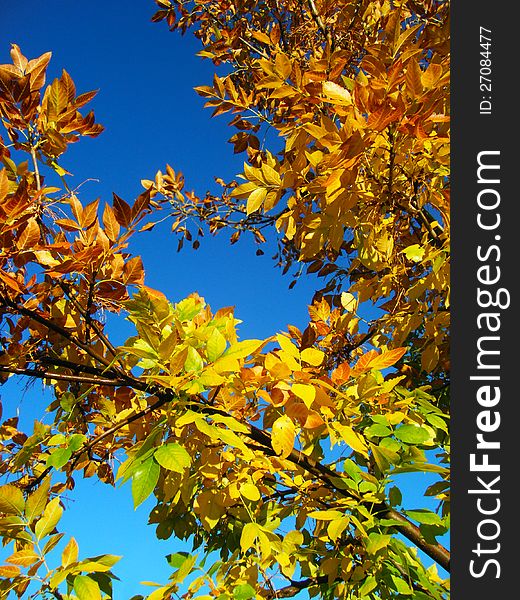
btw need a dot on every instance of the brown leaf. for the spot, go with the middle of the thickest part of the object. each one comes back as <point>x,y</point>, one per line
<point>122,211</point>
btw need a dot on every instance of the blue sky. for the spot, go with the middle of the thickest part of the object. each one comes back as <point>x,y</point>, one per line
<point>152,116</point>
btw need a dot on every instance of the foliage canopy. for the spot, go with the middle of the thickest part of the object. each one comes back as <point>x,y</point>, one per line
<point>275,457</point>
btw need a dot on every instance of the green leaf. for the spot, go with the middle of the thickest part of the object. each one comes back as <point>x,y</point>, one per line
<point>144,480</point>
<point>395,496</point>
<point>67,401</point>
<point>173,457</point>
<point>193,361</point>
<point>368,585</point>
<point>243,349</point>
<point>176,560</point>
<point>216,345</point>
<point>414,252</point>
<point>422,515</point>
<point>431,532</point>
<point>11,500</point>
<point>49,519</point>
<point>185,567</point>
<point>188,309</point>
<point>59,457</point>
<point>86,588</point>
<point>76,441</point>
<point>401,586</point>
<point>244,592</point>
<point>378,430</point>
<point>412,434</point>
<point>376,541</point>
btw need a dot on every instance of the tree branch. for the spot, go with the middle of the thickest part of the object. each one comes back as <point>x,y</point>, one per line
<point>319,22</point>
<point>60,376</point>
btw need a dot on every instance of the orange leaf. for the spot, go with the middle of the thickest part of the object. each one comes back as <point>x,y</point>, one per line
<point>413,79</point>
<point>11,282</point>
<point>387,359</point>
<point>297,411</point>
<point>9,571</point>
<point>313,420</point>
<point>133,271</point>
<point>4,184</point>
<point>362,364</point>
<point>23,558</point>
<point>30,236</point>
<point>340,374</point>
<point>89,214</point>
<point>112,227</point>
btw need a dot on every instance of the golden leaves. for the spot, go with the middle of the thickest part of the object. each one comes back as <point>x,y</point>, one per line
<point>30,235</point>
<point>24,558</point>
<point>48,521</point>
<point>11,500</point>
<point>374,360</point>
<point>112,227</point>
<point>336,93</point>
<point>282,436</point>
<point>70,553</point>
<point>263,188</point>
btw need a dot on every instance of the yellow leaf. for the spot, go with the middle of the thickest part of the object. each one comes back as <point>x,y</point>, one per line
<point>288,346</point>
<point>283,65</point>
<point>282,436</point>
<point>241,349</point>
<point>306,392</point>
<point>432,75</point>
<point>249,534</point>
<point>336,527</point>
<point>86,588</point>
<point>312,356</point>
<point>414,252</point>
<point>9,571</point>
<point>70,553</point>
<point>23,558</point>
<point>208,510</point>
<point>336,93</point>
<point>429,358</point>
<point>11,500</point>
<point>353,439</point>
<point>250,492</point>
<point>325,515</point>
<point>51,516</point>
<point>270,175</point>
<point>349,302</point>
<point>413,78</point>
<point>255,199</point>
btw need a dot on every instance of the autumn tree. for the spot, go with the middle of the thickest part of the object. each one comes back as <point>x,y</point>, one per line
<point>276,458</point>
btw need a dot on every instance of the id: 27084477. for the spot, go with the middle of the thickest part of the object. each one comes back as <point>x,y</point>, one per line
<point>485,71</point>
